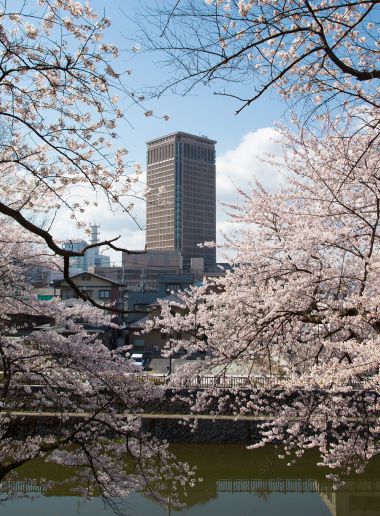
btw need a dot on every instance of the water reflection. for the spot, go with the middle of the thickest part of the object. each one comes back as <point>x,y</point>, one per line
<point>236,481</point>
<point>354,499</point>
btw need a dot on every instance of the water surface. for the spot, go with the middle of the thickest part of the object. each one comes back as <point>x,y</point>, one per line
<point>236,482</point>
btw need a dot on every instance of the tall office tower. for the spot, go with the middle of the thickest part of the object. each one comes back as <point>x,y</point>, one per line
<point>181,211</point>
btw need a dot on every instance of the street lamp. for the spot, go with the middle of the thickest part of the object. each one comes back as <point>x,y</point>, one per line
<point>170,356</point>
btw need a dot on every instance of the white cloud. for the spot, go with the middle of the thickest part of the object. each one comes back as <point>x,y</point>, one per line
<point>130,227</point>
<point>238,167</point>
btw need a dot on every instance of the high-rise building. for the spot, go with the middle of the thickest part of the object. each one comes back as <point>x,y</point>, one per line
<point>181,205</point>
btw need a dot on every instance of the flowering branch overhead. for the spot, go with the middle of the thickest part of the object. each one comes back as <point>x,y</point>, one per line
<point>309,51</point>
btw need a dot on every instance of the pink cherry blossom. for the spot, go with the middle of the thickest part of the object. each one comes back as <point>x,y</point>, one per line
<point>298,316</point>
<point>58,117</point>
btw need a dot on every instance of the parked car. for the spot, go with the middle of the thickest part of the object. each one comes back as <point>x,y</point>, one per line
<point>137,359</point>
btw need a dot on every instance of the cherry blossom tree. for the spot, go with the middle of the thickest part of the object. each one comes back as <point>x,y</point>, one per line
<point>323,52</point>
<point>59,93</point>
<point>66,388</point>
<point>299,312</point>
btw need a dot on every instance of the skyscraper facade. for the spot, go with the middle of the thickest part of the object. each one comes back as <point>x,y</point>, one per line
<point>181,205</point>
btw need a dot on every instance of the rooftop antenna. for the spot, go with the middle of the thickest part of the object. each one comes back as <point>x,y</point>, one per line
<point>94,233</point>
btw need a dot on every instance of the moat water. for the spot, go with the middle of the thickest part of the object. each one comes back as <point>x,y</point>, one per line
<point>236,482</point>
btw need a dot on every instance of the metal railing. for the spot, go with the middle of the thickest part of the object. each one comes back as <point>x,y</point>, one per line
<point>204,381</point>
<point>210,382</point>
<point>20,486</point>
<point>265,486</point>
<point>224,382</point>
<point>295,486</point>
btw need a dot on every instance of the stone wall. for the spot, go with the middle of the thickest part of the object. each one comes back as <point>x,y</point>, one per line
<point>170,428</point>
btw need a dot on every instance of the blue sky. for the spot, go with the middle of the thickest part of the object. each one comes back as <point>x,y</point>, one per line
<point>240,137</point>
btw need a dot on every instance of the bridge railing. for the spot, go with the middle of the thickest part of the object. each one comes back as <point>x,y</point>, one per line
<point>21,486</point>
<point>295,486</point>
<point>208,382</point>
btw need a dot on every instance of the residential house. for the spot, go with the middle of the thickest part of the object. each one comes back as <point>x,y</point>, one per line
<point>103,291</point>
<point>154,341</point>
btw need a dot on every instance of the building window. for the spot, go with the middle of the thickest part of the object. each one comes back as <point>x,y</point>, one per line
<point>163,336</point>
<point>67,294</point>
<point>104,294</point>
<point>175,287</point>
<point>86,277</point>
<point>141,306</point>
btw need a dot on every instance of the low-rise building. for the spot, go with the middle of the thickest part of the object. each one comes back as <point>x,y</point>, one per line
<point>154,341</point>
<point>167,283</point>
<point>102,290</point>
